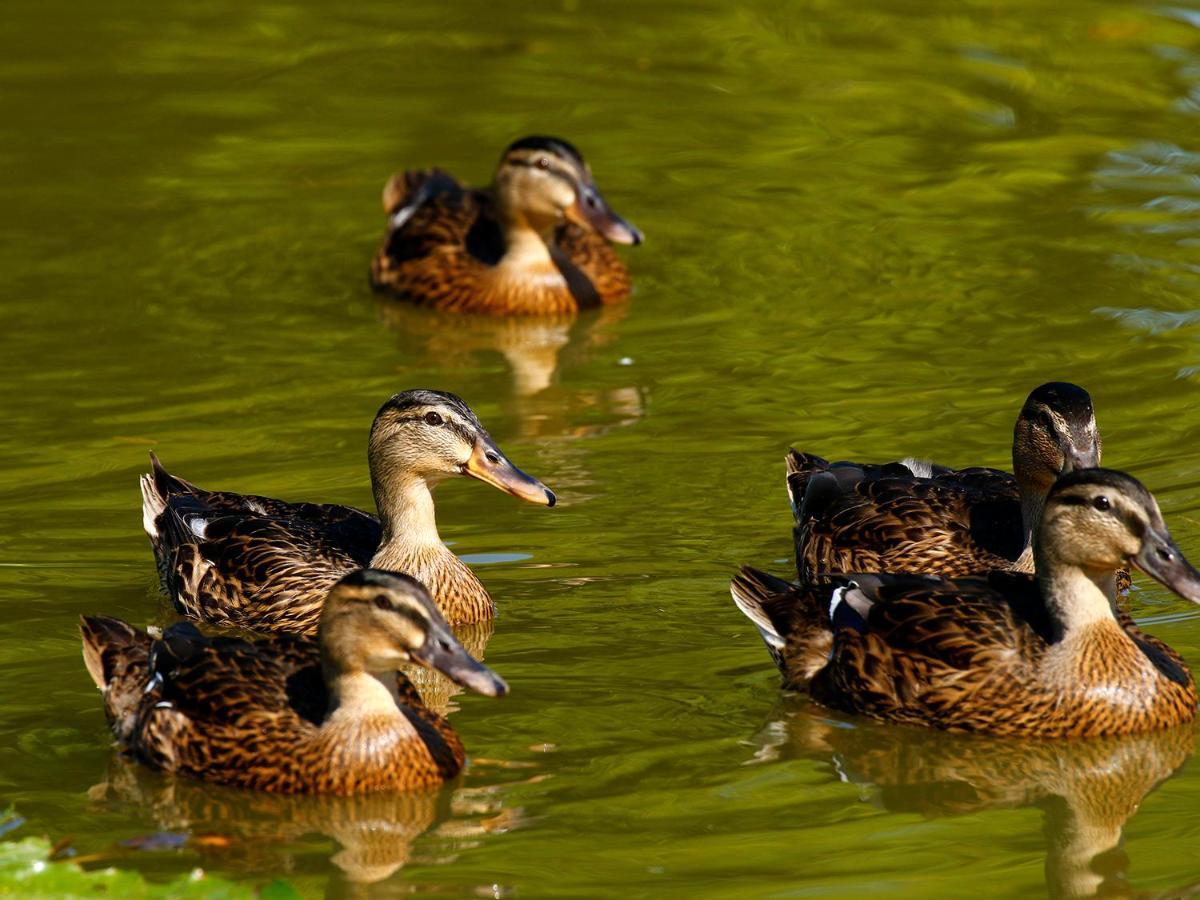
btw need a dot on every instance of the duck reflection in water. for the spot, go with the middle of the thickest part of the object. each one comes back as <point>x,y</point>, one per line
<point>253,831</point>
<point>1087,789</point>
<point>533,347</point>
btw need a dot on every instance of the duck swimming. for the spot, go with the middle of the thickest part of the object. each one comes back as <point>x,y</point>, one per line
<point>536,242</point>
<point>922,518</point>
<point>1008,654</point>
<point>286,714</point>
<point>265,565</point>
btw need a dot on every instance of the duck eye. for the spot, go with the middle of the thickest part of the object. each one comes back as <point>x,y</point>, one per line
<point>1101,503</point>
<point>543,163</point>
<point>432,418</point>
<point>381,601</point>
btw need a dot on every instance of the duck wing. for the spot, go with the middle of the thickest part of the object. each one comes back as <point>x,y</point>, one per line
<point>174,512</point>
<point>853,517</point>
<point>441,242</point>
<point>258,574</point>
<point>933,651</point>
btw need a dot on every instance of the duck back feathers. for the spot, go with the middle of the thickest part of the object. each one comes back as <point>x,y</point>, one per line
<point>853,517</point>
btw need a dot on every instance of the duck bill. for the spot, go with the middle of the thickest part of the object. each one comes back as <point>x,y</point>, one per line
<point>442,652</point>
<point>1076,459</point>
<point>592,211</point>
<point>1161,559</point>
<point>492,467</point>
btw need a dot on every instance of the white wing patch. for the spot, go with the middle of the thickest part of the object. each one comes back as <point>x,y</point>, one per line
<point>921,468</point>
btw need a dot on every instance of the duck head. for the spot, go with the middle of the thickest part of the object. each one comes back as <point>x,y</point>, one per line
<point>375,621</point>
<point>432,435</point>
<point>543,181</point>
<point>1055,433</point>
<point>1098,520</point>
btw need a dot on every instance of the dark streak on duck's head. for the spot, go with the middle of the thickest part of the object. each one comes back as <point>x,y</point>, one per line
<point>375,621</point>
<point>543,181</point>
<point>434,435</point>
<point>1055,433</point>
<point>1099,520</point>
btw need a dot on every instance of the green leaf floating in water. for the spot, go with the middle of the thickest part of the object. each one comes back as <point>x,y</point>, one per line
<point>25,871</point>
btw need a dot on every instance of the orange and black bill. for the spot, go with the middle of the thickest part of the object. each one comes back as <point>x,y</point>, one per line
<point>492,467</point>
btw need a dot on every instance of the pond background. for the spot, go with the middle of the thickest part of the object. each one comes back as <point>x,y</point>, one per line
<point>872,228</point>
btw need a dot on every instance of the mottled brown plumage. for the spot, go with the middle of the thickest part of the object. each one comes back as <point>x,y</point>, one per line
<point>287,714</point>
<point>922,518</point>
<point>537,242</point>
<point>1004,654</point>
<point>261,564</point>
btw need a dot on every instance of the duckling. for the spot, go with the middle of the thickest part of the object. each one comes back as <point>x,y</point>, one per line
<point>537,242</point>
<point>1008,654</point>
<point>265,565</point>
<point>286,714</point>
<point>922,518</point>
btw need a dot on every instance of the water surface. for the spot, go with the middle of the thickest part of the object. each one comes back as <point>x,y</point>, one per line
<point>871,229</point>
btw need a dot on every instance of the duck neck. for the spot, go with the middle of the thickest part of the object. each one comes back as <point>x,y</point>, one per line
<point>1075,597</point>
<point>409,523</point>
<point>525,248</point>
<point>1033,501</point>
<point>358,694</point>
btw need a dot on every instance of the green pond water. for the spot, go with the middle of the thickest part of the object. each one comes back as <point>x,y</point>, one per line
<point>872,228</point>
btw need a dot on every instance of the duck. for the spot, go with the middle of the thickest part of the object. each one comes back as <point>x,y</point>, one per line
<point>919,517</point>
<point>538,241</point>
<point>286,714</point>
<point>264,565</point>
<point>1006,654</point>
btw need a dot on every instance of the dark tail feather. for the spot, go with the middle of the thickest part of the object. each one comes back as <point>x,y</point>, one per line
<point>800,469</point>
<point>106,642</point>
<point>117,657</point>
<point>158,487</point>
<point>792,619</point>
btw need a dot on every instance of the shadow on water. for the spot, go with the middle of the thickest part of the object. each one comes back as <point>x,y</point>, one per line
<point>1087,790</point>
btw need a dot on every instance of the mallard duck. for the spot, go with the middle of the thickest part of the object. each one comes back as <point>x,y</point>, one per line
<point>922,518</point>
<point>266,565</point>
<point>537,242</point>
<point>1008,654</point>
<point>287,714</point>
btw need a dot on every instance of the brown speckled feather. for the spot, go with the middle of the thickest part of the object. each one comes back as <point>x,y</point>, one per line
<point>882,518</point>
<point>857,518</point>
<point>445,255</point>
<point>968,654</point>
<point>258,574</point>
<point>250,715</point>
<point>261,564</point>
